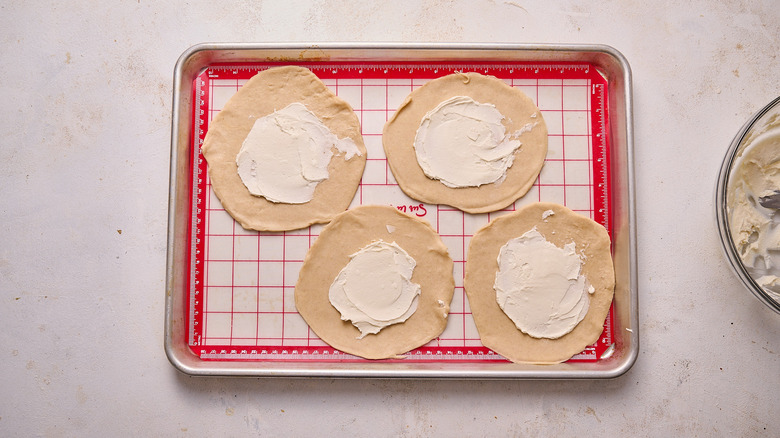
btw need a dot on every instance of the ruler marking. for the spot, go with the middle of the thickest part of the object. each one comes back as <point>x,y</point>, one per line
<point>602,159</point>
<point>227,71</point>
<point>601,195</point>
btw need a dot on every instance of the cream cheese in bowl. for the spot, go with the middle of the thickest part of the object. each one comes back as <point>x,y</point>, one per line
<point>750,225</point>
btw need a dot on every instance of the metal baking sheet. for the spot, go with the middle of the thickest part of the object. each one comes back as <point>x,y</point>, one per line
<point>229,306</point>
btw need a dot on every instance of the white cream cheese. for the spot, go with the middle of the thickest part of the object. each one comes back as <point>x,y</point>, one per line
<point>754,228</point>
<point>463,143</point>
<point>374,290</point>
<point>286,154</point>
<point>540,286</point>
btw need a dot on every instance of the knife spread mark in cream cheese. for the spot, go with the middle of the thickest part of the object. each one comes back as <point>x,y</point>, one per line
<point>374,290</point>
<point>539,286</point>
<point>286,154</point>
<point>463,143</point>
<point>755,229</point>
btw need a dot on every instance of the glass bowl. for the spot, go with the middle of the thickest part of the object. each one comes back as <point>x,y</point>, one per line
<point>764,122</point>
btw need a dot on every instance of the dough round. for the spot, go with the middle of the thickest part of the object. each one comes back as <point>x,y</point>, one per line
<point>496,329</point>
<point>518,111</point>
<point>346,234</point>
<point>264,93</point>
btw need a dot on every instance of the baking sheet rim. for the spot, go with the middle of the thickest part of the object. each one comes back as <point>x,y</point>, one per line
<point>182,358</point>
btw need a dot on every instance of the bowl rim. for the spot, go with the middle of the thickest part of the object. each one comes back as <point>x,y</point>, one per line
<point>721,209</point>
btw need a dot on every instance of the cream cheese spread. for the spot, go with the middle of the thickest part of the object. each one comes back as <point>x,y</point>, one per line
<point>286,154</point>
<point>754,228</point>
<point>374,290</point>
<point>540,287</point>
<point>463,143</point>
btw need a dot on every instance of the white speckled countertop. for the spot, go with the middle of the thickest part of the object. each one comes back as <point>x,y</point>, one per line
<point>85,143</point>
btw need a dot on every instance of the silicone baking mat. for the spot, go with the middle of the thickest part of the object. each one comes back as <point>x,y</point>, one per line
<point>241,284</point>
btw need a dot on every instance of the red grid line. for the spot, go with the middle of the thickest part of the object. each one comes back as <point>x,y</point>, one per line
<point>284,248</point>
<point>257,296</point>
<point>563,141</point>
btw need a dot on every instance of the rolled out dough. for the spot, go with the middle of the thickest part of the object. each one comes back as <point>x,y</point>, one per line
<point>519,111</point>
<point>496,330</point>
<point>264,93</point>
<point>346,234</point>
